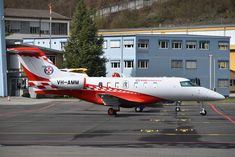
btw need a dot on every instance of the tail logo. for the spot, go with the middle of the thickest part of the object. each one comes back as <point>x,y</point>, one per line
<point>48,70</point>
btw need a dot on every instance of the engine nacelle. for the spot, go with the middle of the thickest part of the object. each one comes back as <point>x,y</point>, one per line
<point>69,83</point>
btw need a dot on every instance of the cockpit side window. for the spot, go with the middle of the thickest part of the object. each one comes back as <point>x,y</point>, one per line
<point>187,84</point>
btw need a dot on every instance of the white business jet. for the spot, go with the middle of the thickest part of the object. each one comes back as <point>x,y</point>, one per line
<point>114,92</point>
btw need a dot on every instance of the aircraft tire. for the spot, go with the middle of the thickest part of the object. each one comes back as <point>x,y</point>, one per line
<point>203,112</point>
<point>177,109</point>
<point>139,109</point>
<point>111,111</point>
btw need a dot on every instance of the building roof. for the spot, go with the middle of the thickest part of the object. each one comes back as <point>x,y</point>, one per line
<point>32,13</point>
<point>169,36</point>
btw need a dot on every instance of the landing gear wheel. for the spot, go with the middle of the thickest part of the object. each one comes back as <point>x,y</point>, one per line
<point>112,111</point>
<point>139,109</point>
<point>177,109</point>
<point>203,112</point>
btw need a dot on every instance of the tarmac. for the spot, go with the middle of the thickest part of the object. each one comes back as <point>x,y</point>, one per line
<point>70,127</point>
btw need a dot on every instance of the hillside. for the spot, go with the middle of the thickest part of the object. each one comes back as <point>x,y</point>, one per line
<point>161,13</point>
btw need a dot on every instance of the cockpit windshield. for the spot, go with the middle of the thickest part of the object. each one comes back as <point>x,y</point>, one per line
<point>187,84</point>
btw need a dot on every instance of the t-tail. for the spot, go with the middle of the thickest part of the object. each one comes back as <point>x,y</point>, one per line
<point>43,74</point>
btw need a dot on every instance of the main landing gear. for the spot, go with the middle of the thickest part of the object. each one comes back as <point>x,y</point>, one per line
<point>203,111</point>
<point>113,110</point>
<point>139,108</point>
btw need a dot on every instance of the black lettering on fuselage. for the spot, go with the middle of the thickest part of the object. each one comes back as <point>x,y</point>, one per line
<point>69,82</point>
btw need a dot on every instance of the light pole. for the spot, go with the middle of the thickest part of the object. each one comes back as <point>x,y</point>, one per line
<point>50,8</point>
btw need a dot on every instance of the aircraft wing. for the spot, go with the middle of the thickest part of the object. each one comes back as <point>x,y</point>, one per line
<point>110,100</point>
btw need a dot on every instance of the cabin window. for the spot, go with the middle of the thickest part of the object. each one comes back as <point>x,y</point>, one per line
<point>108,84</point>
<point>145,84</point>
<point>117,84</point>
<point>187,84</point>
<point>154,84</point>
<point>125,84</point>
<point>135,84</point>
<point>100,84</point>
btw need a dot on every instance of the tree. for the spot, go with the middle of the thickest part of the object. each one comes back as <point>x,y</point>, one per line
<point>84,48</point>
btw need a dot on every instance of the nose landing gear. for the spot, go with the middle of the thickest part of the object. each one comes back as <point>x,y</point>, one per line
<point>203,111</point>
<point>178,104</point>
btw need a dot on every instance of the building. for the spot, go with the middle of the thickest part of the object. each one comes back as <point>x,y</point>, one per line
<point>203,59</point>
<point>29,23</point>
<point>27,27</point>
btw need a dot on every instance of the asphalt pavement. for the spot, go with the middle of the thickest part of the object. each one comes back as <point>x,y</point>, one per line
<point>65,127</point>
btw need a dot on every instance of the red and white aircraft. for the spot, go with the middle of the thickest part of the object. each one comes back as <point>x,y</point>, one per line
<point>115,92</point>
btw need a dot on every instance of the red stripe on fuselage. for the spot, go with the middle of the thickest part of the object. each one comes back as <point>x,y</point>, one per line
<point>93,96</point>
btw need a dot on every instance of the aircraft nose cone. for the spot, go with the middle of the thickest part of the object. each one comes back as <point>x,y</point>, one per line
<point>219,96</point>
<point>216,96</point>
<point>211,95</point>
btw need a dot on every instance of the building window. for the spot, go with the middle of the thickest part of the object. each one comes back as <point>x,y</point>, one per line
<point>63,44</point>
<point>176,44</point>
<point>143,64</point>
<point>115,44</point>
<point>59,28</point>
<point>204,45</point>
<point>15,26</point>
<point>191,64</point>
<point>143,44</point>
<point>34,30</point>
<point>163,44</point>
<point>223,83</point>
<point>176,64</point>
<point>129,64</point>
<point>223,45</point>
<point>105,44</point>
<point>45,28</point>
<point>115,64</point>
<point>128,43</point>
<point>52,59</point>
<point>223,64</point>
<point>232,82</point>
<point>191,45</point>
